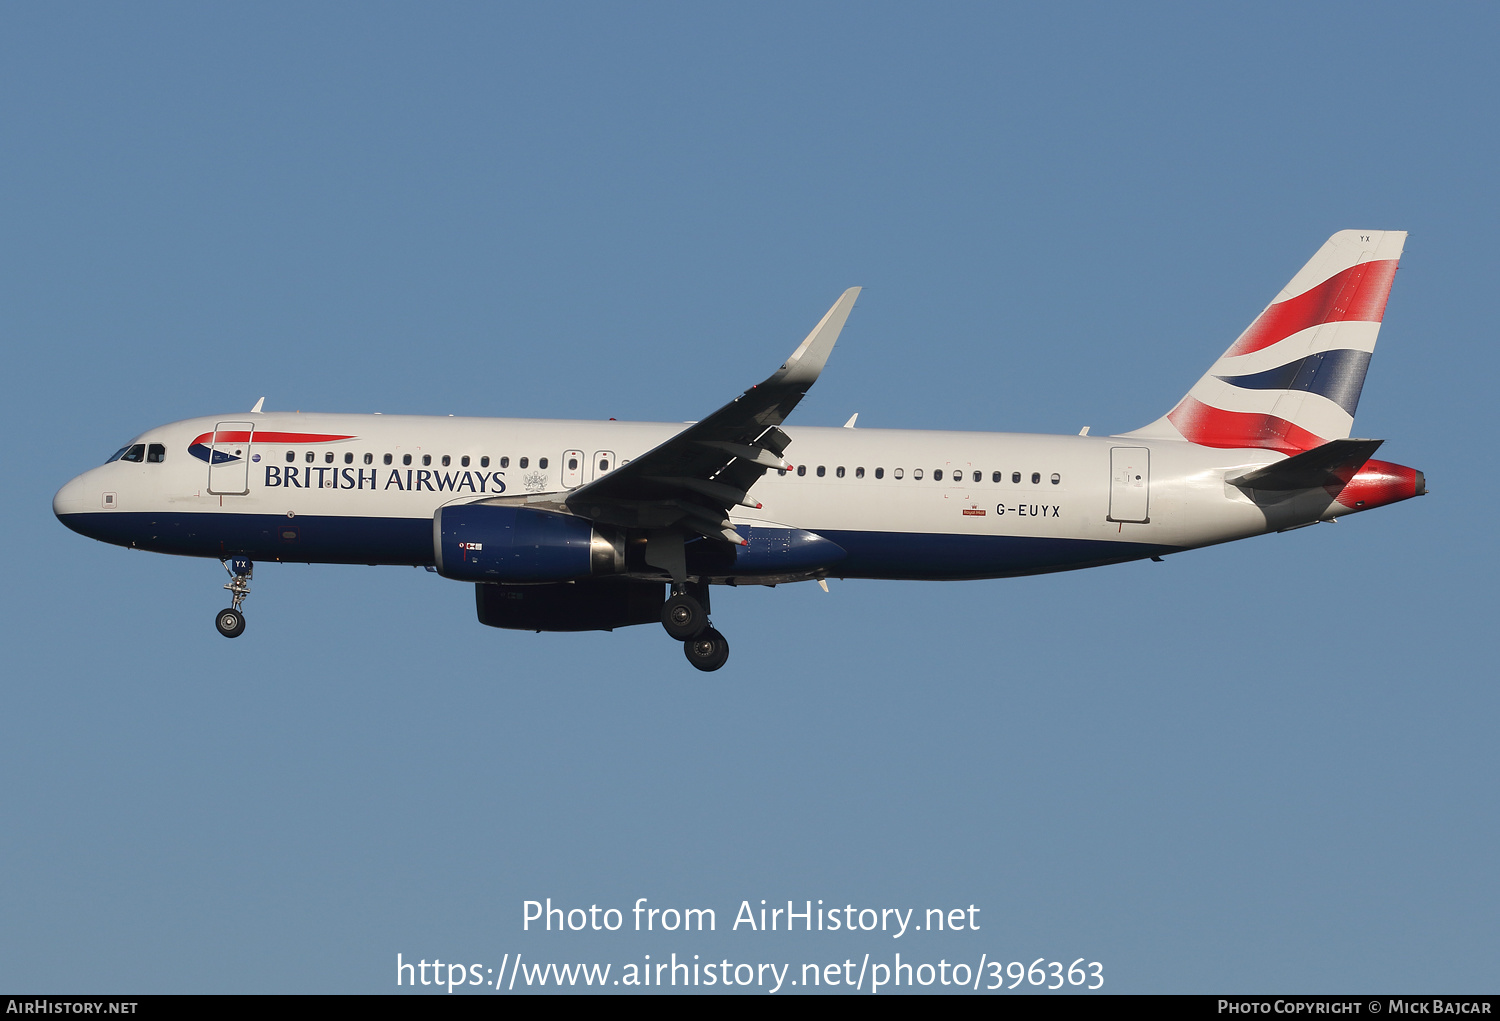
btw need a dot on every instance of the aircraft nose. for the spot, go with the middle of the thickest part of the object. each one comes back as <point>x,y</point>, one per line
<point>72,500</point>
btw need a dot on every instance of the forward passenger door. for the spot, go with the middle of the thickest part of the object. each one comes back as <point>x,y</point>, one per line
<point>229,458</point>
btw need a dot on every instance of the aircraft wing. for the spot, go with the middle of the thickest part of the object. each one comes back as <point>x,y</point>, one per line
<point>692,479</point>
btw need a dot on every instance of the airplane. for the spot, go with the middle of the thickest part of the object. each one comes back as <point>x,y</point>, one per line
<point>597,525</point>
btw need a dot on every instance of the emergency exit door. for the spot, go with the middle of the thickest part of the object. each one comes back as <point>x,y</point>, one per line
<point>1130,484</point>
<point>572,469</point>
<point>600,463</point>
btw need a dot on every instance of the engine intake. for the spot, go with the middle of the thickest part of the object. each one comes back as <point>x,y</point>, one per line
<point>483,542</point>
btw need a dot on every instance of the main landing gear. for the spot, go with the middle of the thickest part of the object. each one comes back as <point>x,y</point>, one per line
<point>709,651</point>
<point>230,621</point>
<point>685,617</point>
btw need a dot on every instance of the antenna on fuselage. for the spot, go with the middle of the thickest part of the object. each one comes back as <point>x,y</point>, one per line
<point>258,405</point>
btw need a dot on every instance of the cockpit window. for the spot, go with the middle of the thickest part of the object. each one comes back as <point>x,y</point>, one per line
<point>117,455</point>
<point>156,453</point>
<point>136,452</point>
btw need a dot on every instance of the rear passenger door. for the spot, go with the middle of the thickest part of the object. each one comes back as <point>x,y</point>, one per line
<point>1130,484</point>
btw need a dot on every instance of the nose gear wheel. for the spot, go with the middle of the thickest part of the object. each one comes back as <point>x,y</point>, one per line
<point>230,622</point>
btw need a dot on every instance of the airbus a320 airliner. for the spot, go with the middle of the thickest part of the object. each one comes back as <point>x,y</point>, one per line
<point>580,526</point>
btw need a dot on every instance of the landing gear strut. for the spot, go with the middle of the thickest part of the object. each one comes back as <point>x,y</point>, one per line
<point>230,621</point>
<point>685,617</point>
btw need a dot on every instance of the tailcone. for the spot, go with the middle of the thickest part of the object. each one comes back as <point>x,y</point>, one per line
<point>1379,483</point>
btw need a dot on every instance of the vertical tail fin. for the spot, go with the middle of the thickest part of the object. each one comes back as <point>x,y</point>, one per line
<point>1292,380</point>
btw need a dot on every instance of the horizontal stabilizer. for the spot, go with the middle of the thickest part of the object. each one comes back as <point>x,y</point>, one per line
<point>1332,464</point>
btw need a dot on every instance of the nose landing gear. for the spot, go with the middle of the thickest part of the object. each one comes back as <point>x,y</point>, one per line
<point>230,621</point>
<point>685,618</point>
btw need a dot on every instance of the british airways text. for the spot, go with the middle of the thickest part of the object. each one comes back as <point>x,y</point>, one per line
<point>407,480</point>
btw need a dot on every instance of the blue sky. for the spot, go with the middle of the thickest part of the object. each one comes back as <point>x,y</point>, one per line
<point>1265,766</point>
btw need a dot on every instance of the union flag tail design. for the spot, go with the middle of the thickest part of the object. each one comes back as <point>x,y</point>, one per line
<point>1292,380</point>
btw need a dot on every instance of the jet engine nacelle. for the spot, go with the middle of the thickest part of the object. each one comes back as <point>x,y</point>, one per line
<point>481,542</point>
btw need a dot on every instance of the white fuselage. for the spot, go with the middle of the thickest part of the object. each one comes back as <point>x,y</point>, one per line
<point>906,504</point>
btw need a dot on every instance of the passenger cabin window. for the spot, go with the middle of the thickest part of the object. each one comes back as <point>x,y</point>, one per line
<point>386,459</point>
<point>348,457</point>
<point>156,453</point>
<point>504,462</point>
<point>426,460</point>
<point>525,461</point>
<point>1036,477</point>
<point>1056,478</point>
<point>979,476</point>
<point>859,473</point>
<point>369,459</point>
<point>898,473</point>
<point>447,460</point>
<point>916,473</point>
<point>291,455</point>
<point>839,471</point>
<point>997,476</point>
<point>328,457</point>
<point>822,471</point>
<point>801,469</point>
<point>463,462</point>
<point>309,457</point>
<point>541,462</point>
<point>604,465</point>
<point>572,464</point>
<point>1015,477</point>
<point>484,462</point>
<point>406,459</point>
<point>880,473</point>
<point>937,475</point>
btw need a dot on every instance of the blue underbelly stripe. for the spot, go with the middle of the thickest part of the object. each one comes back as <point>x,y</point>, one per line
<point>928,556</point>
<point>314,539</point>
